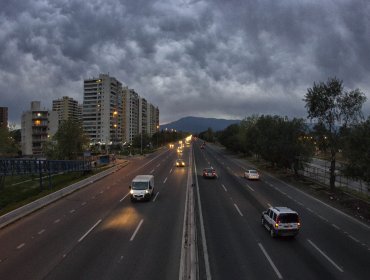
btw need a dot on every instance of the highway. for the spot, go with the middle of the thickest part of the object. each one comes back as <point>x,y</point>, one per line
<point>98,233</point>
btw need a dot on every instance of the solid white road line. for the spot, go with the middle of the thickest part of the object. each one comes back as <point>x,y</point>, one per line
<point>270,261</point>
<point>237,209</point>
<point>202,231</point>
<point>170,170</point>
<point>21,245</point>
<point>136,230</point>
<point>41,232</point>
<point>165,180</point>
<point>94,226</point>
<point>325,256</point>
<point>224,187</point>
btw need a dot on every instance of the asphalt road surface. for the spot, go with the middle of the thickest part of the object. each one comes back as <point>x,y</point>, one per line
<point>98,233</point>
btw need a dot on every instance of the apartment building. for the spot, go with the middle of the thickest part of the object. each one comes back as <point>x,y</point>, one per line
<point>102,111</point>
<point>37,126</point>
<point>131,114</point>
<point>3,117</point>
<point>67,109</point>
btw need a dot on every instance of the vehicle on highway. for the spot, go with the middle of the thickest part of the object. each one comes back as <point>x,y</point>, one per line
<point>209,172</point>
<point>251,174</point>
<point>142,187</point>
<point>281,221</point>
<point>180,163</point>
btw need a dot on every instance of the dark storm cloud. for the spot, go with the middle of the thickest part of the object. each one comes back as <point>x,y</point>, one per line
<point>205,58</point>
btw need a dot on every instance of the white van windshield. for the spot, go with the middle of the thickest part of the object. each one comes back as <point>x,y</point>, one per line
<point>139,185</point>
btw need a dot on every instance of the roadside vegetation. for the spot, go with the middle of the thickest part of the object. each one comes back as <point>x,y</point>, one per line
<point>334,129</point>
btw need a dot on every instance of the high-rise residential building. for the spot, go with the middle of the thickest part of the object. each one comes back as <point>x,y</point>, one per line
<point>131,114</point>
<point>143,116</point>
<point>67,108</point>
<point>153,119</point>
<point>103,110</point>
<point>38,125</point>
<point>3,117</point>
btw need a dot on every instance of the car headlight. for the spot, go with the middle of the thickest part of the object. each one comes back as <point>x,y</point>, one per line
<point>131,192</point>
<point>146,191</point>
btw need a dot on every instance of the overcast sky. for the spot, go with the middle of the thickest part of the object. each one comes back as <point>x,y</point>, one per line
<point>221,58</point>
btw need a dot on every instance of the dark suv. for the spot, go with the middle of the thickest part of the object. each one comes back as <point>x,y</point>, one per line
<point>281,221</point>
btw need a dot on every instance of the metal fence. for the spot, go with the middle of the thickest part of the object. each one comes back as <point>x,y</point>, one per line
<point>321,174</point>
<point>36,166</point>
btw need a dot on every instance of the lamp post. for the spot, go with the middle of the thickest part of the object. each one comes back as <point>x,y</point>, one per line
<point>157,134</point>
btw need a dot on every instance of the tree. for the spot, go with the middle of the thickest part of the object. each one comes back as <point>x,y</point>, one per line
<point>68,143</point>
<point>333,107</point>
<point>8,146</point>
<point>356,150</point>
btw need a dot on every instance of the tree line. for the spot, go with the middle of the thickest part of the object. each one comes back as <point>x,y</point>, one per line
<point>338,126</point>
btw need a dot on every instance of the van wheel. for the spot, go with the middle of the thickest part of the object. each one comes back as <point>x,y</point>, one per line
<point>272,233</point>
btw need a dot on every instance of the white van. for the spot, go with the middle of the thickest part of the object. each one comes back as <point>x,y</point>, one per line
<point>142,187</point>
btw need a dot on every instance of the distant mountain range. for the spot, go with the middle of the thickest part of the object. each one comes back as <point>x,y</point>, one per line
<point>198,124</point>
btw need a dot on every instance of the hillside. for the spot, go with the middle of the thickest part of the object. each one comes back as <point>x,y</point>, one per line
<point>198,124</point>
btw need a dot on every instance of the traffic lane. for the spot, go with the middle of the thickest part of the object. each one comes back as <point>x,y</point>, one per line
<point>354,267</point>
<point>232,249</point>
<point>161,235</point>
<point>247,207</point>
<point>289,253</point>
<point>56,227</point>
<point>116,248</point>
<point>348,225</point>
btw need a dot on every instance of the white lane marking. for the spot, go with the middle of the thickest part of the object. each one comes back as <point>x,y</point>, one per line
<point>354,239</point>
<point>21,245</point>
<point>322,218</point>
<point>155,196</point>
<point>300,203</point>
<point>72,211</point>
<point>90,230</point>
<point>224,187</point>
<point>165,180</point>
<point>237,209</point>
<point>41,232</point>
<point>124,197</point>
<point>250,187</point>
<point>325,256</point>
<point>335,226</point>
<point>270,261</point>
<point>83,203</point>
<point>158,165</point>
<point>101,192</point>
<point>136,230</point>
<point>151,171</point>
<point>269,205</point>
<point>56,221</point>
<point>308,209</point>
<point>170,170</point>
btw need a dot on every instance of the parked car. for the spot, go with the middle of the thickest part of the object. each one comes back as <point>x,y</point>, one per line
<point>180,163</point>
<point>281,221</point>
<point>209,173</point>
<point>251,174</point>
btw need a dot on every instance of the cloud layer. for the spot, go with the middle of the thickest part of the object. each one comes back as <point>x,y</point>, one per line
<point>224,59</point>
